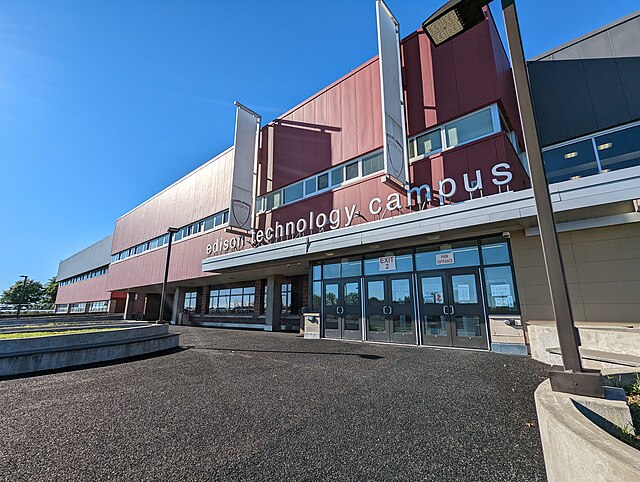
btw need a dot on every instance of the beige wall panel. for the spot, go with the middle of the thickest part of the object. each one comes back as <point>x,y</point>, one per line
<point>604,280</point>
<point>619,313</point>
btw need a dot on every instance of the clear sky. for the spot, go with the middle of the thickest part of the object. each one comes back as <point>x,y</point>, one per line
<point>103,104</point>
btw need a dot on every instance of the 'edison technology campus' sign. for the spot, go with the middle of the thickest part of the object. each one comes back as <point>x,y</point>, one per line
<point>416,197</point>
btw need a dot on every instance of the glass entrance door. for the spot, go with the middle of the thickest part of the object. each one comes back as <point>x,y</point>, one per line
<point>451,309</point>
<point>342,309</point>
<point>389,309</point>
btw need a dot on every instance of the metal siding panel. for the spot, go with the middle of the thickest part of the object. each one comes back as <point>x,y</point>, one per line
<point>334,117</point>
<point>349,122</point>
<point>625,39</point>
<point>178,205</point>
<point>90,258</point>
<point>364,111</point>
<point>475,71</point>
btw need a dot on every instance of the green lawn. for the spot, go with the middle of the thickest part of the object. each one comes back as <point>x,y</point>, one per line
<point>34,334</point>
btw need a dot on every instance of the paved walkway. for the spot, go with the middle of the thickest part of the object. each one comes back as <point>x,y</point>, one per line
<point>253,405</point>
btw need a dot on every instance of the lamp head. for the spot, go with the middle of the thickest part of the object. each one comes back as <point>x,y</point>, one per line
<point>452,19</point>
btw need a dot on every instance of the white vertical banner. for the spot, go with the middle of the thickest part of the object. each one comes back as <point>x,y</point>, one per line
<point>245,161</point>
<point>394,132</point>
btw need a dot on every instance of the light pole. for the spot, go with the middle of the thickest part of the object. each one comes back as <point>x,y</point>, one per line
<point>22,292</point>
<point>171,232</point>
<point>451,20</point>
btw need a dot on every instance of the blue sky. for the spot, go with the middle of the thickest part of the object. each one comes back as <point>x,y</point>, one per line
<point>103,104</point>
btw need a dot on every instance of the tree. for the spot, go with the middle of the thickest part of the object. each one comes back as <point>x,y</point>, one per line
<point>33,292</point>
<point>50,291</point>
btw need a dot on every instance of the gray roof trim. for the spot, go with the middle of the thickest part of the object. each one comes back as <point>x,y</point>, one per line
<point>612,187</point>
<point>565,45</point>
<point>92,257</point>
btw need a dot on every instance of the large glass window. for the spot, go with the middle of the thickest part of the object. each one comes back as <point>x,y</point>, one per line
<point>500,289</point>
<point>620,149</point>
<point>455,255</point>
<point>285,292</point>
<point>570,162</point>
<point>404,263</point>
<point>495,251</point>
<point>240,300</point>
<point>469,128</point>
<point>190,300</point>
<point>316,298</point>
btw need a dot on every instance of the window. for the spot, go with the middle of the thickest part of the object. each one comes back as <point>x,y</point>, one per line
<point>500,289</point>
<point>404,263</point>
<point>293,193</point>
<point>351,171</point>
<point>469,128</point>
<point>428,143</point>
<point>570,162</point>
<point>495,251</point>
<point>337,176</point>
<point>62,308</point>
<point>372,164</point>
<point>76,307</point>
<point>323,181</point>
<point>620,149</point>
<point>98,307</point>
<point>285,291</point>
<point>190,301</point>
<point>232,300</point>
<point>310,186</point>
<point>273,200</point>
<point>464,254</point>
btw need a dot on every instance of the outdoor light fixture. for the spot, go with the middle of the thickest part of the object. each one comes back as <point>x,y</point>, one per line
<point>452,19</point>
<point>604,146</point>
<point>22,293</point>
<point>171,232</point>
<point>570,155</point>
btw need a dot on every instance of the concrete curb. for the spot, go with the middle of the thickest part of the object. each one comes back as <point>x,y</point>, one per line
<point>20,356</point>
<point>574,447</point>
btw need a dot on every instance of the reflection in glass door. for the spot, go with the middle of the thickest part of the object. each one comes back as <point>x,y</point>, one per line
<point>451,308</point>
<point>434,312</point>
<point>342,310</point>
<point>389,309</point>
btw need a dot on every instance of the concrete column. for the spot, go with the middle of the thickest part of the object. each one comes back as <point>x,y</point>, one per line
<point>176,306</point>
<point>274,304</point>
<point>128,306</point>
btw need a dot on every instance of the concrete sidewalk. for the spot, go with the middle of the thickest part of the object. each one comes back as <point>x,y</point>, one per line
<point>272,406</point>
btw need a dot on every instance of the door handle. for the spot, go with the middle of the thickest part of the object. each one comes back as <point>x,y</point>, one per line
<point>384,310</point>
<point>444,309</point>
<point>453,311</point>
<point>390,310</point>
<point>340,310</point>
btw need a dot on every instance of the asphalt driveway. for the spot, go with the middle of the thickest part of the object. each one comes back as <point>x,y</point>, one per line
<point>272,406</point>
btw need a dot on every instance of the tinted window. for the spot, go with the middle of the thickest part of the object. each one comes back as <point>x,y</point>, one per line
<point>337,176</point>
<point>619,149</point>
<point>564,163</point>
<point>471,127</point>
<point>293,193</point>
<point>351,171</point>
<point>429,142</point>
<point>310,186</point>
<point>372,164</point>
<point>323,181</point>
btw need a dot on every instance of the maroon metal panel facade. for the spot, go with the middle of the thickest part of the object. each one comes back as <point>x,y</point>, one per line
<point>339,123</point>
<point>201,193</point>
<point>92,289</point>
